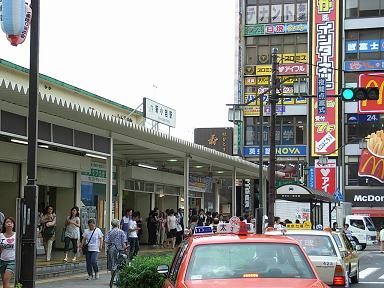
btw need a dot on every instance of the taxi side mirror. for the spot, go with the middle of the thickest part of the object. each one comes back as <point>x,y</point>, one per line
<point>162,269</point>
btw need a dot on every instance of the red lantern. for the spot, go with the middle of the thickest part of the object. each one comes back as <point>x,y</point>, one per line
<point>18,39</point>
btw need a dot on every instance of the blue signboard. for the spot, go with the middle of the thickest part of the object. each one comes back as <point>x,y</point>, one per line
<point>364,46</point>
<point>359,118</point>
<point>364,65</point>
<point>281,150</point>
<point>311,177</point>
<point>199,230</point>
<point>321,96</point>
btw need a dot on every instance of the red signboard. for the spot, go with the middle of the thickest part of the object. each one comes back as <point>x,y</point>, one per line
<point>371,106</point>
<point>325,176</point>
<point>325,62</point>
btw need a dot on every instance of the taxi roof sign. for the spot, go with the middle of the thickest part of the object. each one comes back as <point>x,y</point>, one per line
<point>203,230</point>
<point>307,225</point>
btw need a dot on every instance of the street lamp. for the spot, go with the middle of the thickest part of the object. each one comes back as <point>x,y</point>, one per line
<point>27,223</point>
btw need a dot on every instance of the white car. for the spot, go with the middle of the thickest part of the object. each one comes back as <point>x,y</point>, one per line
<point>325,256</point>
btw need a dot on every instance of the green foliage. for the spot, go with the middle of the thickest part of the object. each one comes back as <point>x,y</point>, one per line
<point>19,285</point>
<point>143,272</point>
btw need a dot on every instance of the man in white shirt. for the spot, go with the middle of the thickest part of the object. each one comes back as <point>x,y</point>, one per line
<point>133,238</point>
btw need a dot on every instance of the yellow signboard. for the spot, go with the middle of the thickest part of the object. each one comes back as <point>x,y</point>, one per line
<point>293,58</point>
<point>307,225</point>
<point>263,70</point>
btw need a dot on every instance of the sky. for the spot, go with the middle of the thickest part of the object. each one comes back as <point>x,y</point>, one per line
<point>122,49</point>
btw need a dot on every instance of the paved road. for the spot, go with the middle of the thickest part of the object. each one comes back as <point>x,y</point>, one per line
<point>371,270</point>
<point>371,275</point>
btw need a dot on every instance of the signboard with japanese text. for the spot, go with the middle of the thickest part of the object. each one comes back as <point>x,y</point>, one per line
<point>251,15</point>
<point>325,62</point>
<point>325,176</point>
<point>270,29</point>
<point>364,46</point>
<point>281,150</point>
<point>219,139</point>
<point>283,69</point>
<point>159,112</point>
<point>371,106</point>
<point>363,65</point>
<point>321,96</point>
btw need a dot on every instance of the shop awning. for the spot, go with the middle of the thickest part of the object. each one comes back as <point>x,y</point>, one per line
<point>299,193</point>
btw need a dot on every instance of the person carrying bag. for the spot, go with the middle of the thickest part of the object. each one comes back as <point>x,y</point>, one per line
<point>85,246</point>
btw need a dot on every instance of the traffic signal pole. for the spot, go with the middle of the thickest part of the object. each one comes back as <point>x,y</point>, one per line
<point>272,136</point>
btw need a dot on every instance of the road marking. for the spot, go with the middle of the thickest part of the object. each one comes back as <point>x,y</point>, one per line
<point>364,273</point>
<point>381,277</point>
<point>371,282</point>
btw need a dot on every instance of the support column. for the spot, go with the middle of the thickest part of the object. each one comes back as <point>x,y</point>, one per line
<point>216,201</point>
<point>23,178</point>
<point>233,192</point>
<point>109,203</point>
<point>78,189</point>
<point>120,187</point>
<point>186,191</point>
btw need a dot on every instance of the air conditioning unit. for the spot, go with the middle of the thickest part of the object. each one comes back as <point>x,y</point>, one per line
<point>249,70</point>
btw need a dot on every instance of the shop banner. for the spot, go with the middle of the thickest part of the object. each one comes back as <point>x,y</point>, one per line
<point>363,65</point>
<point>200,183</point>
<point>358,118</point>
<point>371,162</point>
<point>371,106</point>
<point>364,46</point>
<point>284,28</point>
<point>325,62</point>
<point>325,176</point>
<point>281,150</point>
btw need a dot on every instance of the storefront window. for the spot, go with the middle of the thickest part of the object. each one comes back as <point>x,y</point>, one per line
<point>364,8</point>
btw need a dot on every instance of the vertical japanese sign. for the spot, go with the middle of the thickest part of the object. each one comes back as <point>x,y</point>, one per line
<point>325,176</point>
<point>325,62</point>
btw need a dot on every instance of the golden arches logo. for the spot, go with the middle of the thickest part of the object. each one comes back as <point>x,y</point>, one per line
<point>375,165</point>
<point>381,90</point>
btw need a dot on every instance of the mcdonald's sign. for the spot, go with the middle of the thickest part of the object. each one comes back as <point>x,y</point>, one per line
<point>371,166</point>
<point>371,106</point>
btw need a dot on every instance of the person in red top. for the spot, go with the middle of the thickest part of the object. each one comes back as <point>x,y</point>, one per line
<point>8,251</point>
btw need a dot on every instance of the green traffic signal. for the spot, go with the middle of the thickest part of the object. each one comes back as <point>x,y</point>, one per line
<point>359,94</point>
<point>347,94</point>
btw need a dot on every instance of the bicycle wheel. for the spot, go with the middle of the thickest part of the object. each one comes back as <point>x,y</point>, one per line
<point>113,282</point>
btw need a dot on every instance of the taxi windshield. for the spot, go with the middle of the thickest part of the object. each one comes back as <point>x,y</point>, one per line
<point>260,260</point>
<point>316,245</point>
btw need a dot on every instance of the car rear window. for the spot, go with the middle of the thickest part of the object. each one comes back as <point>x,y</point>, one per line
<point>316,245</point>
<point>256,260</point>
<point>337,240</point>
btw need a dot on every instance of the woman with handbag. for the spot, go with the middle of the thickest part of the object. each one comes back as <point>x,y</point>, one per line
<point>48,222</point>
<point>91,245</point>
<point>72,233</point>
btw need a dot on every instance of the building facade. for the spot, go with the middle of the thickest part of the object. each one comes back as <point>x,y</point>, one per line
<point>335,44</point>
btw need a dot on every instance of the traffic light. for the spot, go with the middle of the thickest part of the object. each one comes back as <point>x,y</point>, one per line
<point>356,94</point>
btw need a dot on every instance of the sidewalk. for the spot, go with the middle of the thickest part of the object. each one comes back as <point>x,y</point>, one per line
<point>58,268</point>
<point>75,281</point>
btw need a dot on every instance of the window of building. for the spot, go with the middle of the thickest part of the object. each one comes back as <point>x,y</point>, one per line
<point>290,130</point>
<point>276,11</point>
<point>287,44</point>
<point>364,44</point>
<point>364,8</point>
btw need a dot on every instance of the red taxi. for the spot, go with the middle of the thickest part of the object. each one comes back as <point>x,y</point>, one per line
<point>240,260</point>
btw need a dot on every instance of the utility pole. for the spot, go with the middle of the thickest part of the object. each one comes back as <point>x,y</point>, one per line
<point>272,136</point>
<point>31,191</point>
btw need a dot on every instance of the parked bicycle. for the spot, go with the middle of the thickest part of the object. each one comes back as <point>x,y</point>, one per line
<point>122,261</point>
